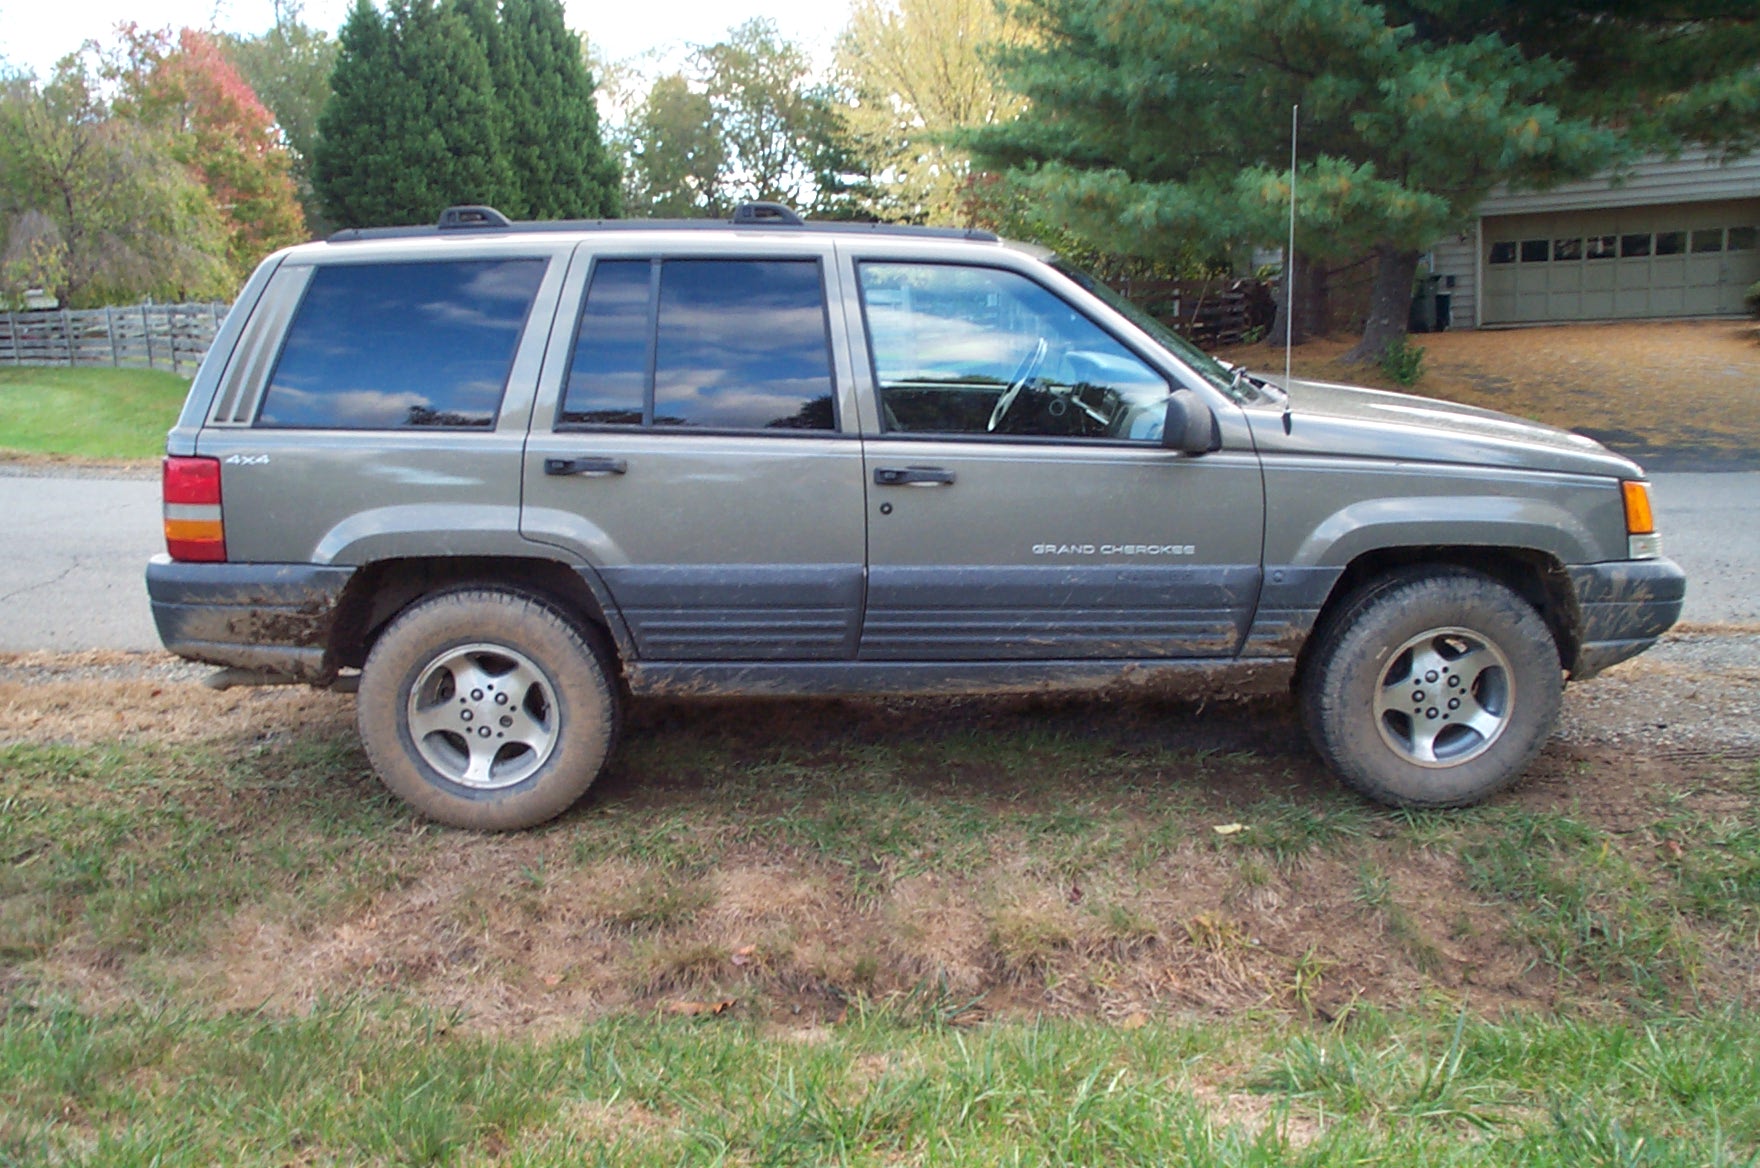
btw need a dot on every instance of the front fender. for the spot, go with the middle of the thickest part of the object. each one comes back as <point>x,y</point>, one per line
<point>1499,521</point>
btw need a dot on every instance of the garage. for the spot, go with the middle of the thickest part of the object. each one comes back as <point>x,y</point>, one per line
<point>1683,259</point>
<point>1664,237</point>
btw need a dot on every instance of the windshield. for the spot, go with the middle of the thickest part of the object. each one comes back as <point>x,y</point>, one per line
<point>1200,362</point>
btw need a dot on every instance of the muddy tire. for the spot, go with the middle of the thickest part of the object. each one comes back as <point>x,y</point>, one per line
<point>488,709</point>
<point>1432,688</point>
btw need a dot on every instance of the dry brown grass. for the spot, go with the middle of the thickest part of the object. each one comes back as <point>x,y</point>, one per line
<point>1682,391</point>
<point>687,877</point>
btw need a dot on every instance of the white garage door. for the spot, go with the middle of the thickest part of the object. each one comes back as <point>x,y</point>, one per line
<point>1683,259</point>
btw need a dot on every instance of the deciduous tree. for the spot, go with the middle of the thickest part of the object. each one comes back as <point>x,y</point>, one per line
<point>188,91</point>
<point>288,67</point>
<point>675,153</point>
<point>96,208</point>
<point>918,71</point>
<point>748,121</point>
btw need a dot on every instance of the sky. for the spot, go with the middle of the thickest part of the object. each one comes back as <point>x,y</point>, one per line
<point>34,34</point>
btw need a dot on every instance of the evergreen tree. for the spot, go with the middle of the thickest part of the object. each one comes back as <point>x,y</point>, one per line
<point>1156,123</point>
<point>559,159</point>
<point>413,125</point>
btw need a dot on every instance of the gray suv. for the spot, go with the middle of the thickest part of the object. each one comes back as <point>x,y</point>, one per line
<point>501,476</point>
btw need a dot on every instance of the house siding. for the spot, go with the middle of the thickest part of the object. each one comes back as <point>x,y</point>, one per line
<point>1454,256</point>
<point>1694,177</point>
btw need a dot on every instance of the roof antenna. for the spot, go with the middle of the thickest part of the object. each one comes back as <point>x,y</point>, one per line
<point>1289,269</point>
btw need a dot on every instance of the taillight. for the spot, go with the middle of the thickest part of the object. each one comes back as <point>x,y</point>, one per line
<point>193,527</point>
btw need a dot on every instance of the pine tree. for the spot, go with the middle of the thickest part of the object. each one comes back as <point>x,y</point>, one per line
<point>559,160</point>
<point>414,125</point>
<point>1154,123</point>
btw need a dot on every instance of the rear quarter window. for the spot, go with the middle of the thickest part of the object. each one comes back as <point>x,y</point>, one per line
<point>398,346</point>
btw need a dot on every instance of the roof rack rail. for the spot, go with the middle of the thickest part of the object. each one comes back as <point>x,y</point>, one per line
<point>472,215</point>
<point>461,223</point>
<point>760,212</point>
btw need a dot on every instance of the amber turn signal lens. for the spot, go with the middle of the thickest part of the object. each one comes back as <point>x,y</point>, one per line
<point>1639,518</point>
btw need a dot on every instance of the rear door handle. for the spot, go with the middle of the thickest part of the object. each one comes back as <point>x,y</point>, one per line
<point>585,466</point>
<point>912,476</point>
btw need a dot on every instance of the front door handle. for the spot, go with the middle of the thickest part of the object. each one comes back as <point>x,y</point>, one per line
<point>912,476</point>
<point>585,466</point>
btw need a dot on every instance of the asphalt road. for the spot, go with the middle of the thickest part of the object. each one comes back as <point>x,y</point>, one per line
<point>74,549</point>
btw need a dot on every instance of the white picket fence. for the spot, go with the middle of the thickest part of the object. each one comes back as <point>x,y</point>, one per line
<point>157,336</point>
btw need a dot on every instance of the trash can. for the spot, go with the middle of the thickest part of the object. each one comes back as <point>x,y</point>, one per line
<point>1422,318</point>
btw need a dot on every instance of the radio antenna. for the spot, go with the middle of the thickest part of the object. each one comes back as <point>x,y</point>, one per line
<point>1289,269</point>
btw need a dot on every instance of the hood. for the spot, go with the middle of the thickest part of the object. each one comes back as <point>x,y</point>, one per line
<point>1329,419</point>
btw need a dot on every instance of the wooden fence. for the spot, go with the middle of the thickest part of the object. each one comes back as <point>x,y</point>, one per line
<point>1223,311</point>
<point>157,336</point>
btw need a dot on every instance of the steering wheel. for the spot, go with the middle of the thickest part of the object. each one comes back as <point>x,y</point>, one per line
<point>1028,367</point>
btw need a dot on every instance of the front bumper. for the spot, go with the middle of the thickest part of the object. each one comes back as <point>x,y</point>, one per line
<point>1624,607</point>
<point>268,618</point>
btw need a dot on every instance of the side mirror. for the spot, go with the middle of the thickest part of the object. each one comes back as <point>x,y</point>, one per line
<point>1190,427</point>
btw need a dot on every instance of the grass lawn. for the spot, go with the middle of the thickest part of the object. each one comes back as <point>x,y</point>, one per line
<point>103,414</point>
<point>860,933</point>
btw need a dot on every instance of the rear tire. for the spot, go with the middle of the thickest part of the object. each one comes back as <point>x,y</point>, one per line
<point>488,709</point>
<point>1432,688</point>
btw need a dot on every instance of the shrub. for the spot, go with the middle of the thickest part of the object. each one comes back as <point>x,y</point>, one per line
<point>1403,362</point>
<point>1752,298</point>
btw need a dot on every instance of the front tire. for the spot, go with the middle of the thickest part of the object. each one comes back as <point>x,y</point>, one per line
<point>1432,688</point>
<point>487,709</point>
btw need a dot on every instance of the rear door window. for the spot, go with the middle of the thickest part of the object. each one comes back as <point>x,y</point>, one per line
<point>712,344</point>
<point>396,346</point>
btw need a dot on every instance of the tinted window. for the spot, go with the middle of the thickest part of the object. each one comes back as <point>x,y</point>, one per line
<point>743,345</point>
<point>385,346</point>
<point>1602,247</point>
<point>1634,245</point>
<point>979,350</point>
<point>1567,249</point>
<point>608,380</point>
<point>1535,251</point>
<point>1670,242</point>
<point>740,345</point>
<point>1708,239</point>
<point>1503,253</point>
<point>1741,239</point>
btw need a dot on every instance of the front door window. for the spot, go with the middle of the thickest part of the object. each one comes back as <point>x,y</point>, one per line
<point>968,350</point>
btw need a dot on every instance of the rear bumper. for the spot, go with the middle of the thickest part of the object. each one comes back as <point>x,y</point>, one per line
<point>269,618</point>
<point>1625,606</point>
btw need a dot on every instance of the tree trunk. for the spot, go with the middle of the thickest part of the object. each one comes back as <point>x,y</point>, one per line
<point>1310,303</point>
<point>1390,304</point>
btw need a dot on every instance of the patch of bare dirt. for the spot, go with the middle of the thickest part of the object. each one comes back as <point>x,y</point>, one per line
<point>108,696</point>
<point>1676,395</point>
<point>14,462</point>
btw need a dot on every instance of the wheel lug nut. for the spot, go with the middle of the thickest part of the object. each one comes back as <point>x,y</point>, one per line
<point>1417,695</point>
<point>506,721</point>
<point>1431,676</point>
<point>483,731</point>
<point>501,699</point>
<point>1454,703</point>
<point>476,695</point>
<point>465,715</point>
<point>1431,712</point>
